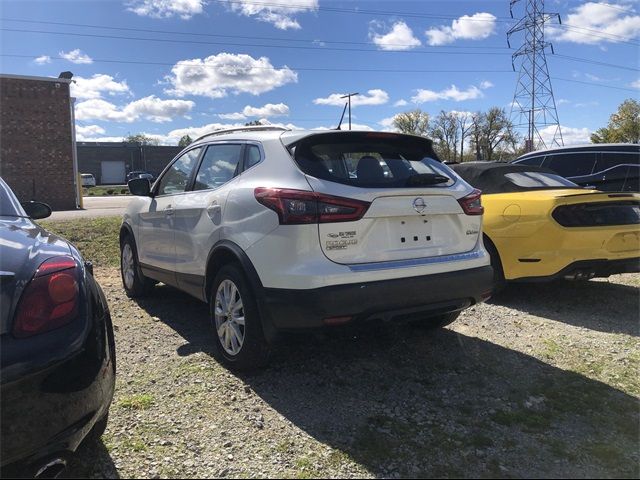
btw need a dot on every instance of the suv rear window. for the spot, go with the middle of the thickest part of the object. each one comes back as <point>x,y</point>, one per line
<point>367,159</point>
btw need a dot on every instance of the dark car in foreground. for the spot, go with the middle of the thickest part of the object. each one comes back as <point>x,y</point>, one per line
<point>57,352</point>
<point>609,167</point>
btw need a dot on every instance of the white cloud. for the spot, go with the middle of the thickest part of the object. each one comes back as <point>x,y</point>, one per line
<point>475,27</point>
<point>279,14</point>
<point>88,131</point>
<point>98,84</point>
<point>613,24</point>
<point>232,116</point>
<point>570,136</point>
<point>635,84</point>
<point>399,38</point>
<point>451,93</point>
<point>217,75</point>
<point>76,56</point>
<point>372,97</point>
<point>486,84</point>
<point>42,59</point>
<point>387,123</point>
<point>184,9</point>
<point>563,101</point>
<point>149,108</point>
<point>401,103</point>
<point>269,110</point>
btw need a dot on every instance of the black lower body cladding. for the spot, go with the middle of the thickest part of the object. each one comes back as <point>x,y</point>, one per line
<point>409,297</point>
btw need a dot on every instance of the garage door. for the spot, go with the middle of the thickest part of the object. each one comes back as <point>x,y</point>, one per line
<point>113,172</point>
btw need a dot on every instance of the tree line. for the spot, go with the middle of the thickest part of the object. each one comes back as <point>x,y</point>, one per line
<point>464,136</point>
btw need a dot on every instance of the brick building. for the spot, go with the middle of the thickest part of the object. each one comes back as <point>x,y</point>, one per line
<point>37,139</point>
<point>109,162</point>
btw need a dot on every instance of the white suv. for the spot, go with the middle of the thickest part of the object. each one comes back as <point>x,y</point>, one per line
<point>281,230</point>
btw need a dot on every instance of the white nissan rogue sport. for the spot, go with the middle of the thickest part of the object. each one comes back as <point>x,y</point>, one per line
<point>281,230</point>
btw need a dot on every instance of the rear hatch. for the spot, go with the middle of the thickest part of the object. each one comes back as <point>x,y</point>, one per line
<point>412,200</point>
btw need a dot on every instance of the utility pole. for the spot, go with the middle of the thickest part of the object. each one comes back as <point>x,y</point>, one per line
<point>349,95</point>
<point>534,106</point>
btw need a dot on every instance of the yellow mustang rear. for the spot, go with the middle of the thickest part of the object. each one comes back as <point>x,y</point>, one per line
<point>540,226</point>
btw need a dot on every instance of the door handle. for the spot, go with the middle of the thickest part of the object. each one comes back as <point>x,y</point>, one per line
<point>169,210</point>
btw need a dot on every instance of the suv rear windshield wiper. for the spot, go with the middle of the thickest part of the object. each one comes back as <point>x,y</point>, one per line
<point>423,179</point>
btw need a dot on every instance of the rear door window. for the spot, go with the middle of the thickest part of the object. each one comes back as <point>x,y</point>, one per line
<point>533,161</point>
<point>371,160</point>
<point>571,164</point>
<point>611,159</point>
<point>219,165</point>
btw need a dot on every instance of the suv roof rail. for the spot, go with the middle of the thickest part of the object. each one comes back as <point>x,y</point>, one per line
<point>255,128</point>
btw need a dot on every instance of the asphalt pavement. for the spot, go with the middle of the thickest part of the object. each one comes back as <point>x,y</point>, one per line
<point>94,207</point>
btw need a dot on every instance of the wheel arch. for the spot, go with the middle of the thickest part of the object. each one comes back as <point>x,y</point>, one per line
<point>126,230</point>
<point>225,252</point>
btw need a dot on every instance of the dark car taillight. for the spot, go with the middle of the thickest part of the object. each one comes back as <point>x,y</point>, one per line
<point>472,203</point>
<point>50,300</point>
<point>601,214</point>
<point>297,207</point>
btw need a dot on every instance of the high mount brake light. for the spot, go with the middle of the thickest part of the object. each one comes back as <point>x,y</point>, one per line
<point>50,300</point>
<point>472,204</point>
<point>299,207</point>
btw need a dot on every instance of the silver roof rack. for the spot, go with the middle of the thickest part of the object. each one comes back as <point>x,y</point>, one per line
<point>255,128</point>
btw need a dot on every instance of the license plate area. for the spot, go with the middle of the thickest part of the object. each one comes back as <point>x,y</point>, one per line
<point>411,232</point>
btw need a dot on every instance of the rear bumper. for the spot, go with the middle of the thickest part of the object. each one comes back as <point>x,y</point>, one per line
<point>290,309</point>
<point>55,386</point>
<point>586,269</point>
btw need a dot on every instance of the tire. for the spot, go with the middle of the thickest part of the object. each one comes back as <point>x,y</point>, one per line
<point>134,282</point>
<point>499,282</point>
<point>434,323</point>
<point>240,346</point>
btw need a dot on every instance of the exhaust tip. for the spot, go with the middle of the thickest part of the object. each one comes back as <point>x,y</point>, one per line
<point>52,469</point>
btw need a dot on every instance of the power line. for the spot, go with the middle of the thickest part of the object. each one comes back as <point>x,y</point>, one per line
<point>593,32</point>
<point>244,37</point>
<point>201,42</point>
<point>312,69</point>
<point>323,69</point>
<point>572,80</point>
<point>447,52</point>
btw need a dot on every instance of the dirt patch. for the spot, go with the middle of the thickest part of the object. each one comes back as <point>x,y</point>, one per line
<point>541,382</point>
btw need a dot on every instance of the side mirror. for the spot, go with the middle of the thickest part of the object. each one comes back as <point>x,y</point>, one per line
<point>36,210</point>
<point>140,187</point>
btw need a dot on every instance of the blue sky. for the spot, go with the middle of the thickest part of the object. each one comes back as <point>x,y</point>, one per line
<point>170,67</point>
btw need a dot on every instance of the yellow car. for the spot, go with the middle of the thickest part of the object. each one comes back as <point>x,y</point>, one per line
<point>539,226</point>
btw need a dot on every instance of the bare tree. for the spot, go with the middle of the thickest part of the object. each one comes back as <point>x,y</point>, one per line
<point>415,122</point>
<point>464,127</point>
<point>497,131</point>
<point>477,121</point>
<point>445,135</point>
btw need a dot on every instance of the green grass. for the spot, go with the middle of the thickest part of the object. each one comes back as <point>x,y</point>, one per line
<point>137,402</point>
<point>607,454</point>
<point>528,420</point>
<point>104,191</point>
<point>97,238</point>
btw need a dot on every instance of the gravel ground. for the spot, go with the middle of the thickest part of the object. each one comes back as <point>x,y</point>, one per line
<point>541,382</point>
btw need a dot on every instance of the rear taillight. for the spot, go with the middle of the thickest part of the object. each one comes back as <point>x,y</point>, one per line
<point>297,207</point>
<point>472,204</point>
<point>50,300</point>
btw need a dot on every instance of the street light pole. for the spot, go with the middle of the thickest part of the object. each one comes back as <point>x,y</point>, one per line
<point>349,95</point>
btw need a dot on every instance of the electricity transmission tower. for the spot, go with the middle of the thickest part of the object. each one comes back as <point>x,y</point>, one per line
<point>534,107</point>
